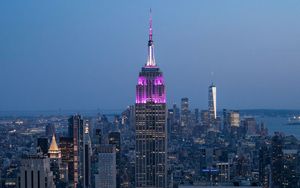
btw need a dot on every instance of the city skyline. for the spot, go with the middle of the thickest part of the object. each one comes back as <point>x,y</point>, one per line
<point>252,59</point>
<point>60,56</point>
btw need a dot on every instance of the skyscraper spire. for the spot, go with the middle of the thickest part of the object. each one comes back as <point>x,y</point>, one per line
<point>150,26</point>
<point>54,151</point>
<point>151,59</point>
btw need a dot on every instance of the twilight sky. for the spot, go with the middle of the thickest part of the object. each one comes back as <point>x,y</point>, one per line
<point>87,54</point>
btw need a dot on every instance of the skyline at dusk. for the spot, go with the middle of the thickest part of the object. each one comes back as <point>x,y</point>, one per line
<point>152,94</point>
<point>85,55</point>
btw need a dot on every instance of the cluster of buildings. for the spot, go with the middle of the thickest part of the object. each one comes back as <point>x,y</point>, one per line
<point>232,149</point>
<point>147,145</point>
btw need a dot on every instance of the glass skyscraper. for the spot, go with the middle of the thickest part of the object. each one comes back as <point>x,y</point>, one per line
<point>212,102</point>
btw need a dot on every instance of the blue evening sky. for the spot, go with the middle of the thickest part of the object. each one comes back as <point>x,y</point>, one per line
<point>87,54</point>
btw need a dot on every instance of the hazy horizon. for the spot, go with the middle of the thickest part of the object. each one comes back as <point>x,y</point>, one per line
<point>87,55</point>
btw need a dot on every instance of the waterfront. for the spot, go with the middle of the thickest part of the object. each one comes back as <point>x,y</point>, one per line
<point>279,124</point>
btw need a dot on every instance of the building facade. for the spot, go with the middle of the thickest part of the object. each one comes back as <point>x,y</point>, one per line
<point>76,133</point>
<point>35,172</point>
<point>87,154</point>
<point>106,177</point>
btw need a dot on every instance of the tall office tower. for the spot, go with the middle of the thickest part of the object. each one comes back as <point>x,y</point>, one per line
<point>277,165</point>
<point>97,138</point>
<point>54,155</point>
<point>212,102</point>
<point>87,154</point>
<point>150,121</point>
<point>231,119</point>
<point>184,115</point>
<point>176,114</point>
<point>264,165</point>
<point>106,177</point>
<point>66,145</point>
<point>114,138</point>
<point>204,118</point>
<point>50,130</point>
<point>170,123</point>
<point>175,121</point>
<point>226,126</point>
<point>234,122</point>
<point>42,145</point>
<point>197,115</point>
<point>291,167</point>
<point>124,117</point>
<point>249,125</point>
<point>35,172</point>
<point>76,132</point>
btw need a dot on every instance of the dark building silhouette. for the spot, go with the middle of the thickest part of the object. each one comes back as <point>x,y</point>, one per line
<point>50,130</point>
<point>76,133</point>
<point>264,165</point>
<point>98,136</point>
<point>290,168</point>
<point>114,138</point>
<point>277,161</point>
<point>66,146</point>
<point>43,145</point>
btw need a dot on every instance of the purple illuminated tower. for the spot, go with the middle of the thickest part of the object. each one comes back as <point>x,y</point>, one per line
<point>150,118</point>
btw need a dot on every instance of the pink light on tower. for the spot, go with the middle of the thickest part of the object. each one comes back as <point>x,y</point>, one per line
<point>150,26</point>
<point>150,123</point>
<point>151,59</point>
<point>150,87</point>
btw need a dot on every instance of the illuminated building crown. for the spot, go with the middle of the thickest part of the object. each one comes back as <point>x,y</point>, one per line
<point>150,87</point>
<point>54,151</point>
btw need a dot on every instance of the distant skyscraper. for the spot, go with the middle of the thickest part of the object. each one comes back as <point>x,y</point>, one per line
<point>204,118</point>
<point>114,138</point>
<point>42,145</point>
<point>150,119</point>
<point>231,118</point>
<point>35,172</point>
<point>97,138</point>
<point>249,124</point>
<point>291,167</point>
<point>264,165</point>
<point>76,132</point>
<point>176,114</point>
<point>106,177</point>
<point>54,154</point>
<point>87,154</point>
<point>197,115</point>
<point>277,165</point>
<point>184,115</point>
<point>212,102</point>
<point>66,145</point>
<point>170,123</point>
<point>50,130</point>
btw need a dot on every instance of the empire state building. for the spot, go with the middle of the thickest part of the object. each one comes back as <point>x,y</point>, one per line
<point>150,119</point>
